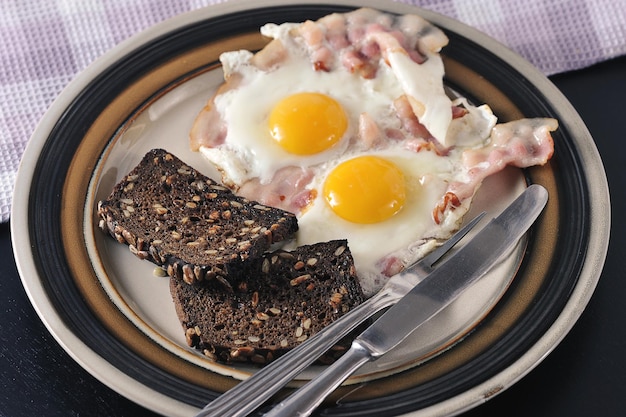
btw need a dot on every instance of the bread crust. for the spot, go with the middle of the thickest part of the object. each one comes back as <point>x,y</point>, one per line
<point>196,229</point>
<point>278,302</point>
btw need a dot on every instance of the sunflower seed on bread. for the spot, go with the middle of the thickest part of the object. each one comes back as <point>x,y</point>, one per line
<point>278,301</point>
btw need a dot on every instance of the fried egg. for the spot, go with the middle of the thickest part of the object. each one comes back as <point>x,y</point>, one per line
<point>382,203</point>
<point>347,123</point>
<point>294,115</point>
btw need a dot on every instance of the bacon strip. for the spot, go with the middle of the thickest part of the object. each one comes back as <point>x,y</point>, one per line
<point>521,143</point>
<point>271,55</point>
<point>208,128</point>
<point>288,189</point>
<point>363,36</point>
<point>420,138</point>
<point>357,40</point>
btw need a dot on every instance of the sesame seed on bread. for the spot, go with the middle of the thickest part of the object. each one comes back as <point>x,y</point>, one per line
<point>196,229</point>
<point>277,301</point>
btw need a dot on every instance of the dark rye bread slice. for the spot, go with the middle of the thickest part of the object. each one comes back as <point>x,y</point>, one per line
<point>278,301</point>
<point>197,229</point>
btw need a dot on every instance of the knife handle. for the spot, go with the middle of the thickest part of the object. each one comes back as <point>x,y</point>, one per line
<point>306,399</point>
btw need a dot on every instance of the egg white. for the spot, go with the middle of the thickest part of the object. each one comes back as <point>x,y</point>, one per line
<point>249,152</point>
<point>245,112</point>
<point>410,232</point>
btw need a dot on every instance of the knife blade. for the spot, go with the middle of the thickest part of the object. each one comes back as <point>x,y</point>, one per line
<point>434,293</point>
<point>249,394</point>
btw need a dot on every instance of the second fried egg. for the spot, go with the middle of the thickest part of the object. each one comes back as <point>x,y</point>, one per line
<point>382,203</point>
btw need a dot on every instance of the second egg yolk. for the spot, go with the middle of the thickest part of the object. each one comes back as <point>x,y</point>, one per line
<point>366,189</point>
<point>307,123</point>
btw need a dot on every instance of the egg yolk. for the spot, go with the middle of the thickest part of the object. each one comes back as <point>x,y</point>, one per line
<point>366,189</point>
<point>307,123</point>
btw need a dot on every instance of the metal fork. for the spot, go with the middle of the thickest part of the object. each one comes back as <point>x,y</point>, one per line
<point>254,391</point>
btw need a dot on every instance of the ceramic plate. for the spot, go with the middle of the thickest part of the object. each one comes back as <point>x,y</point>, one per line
<point>117,319</point>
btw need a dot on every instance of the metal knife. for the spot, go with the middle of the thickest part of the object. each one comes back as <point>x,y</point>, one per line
<point>254,391</point>
<point>435,292</point>
<point>249,394</point>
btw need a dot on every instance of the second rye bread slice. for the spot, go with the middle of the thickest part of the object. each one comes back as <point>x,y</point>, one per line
<point>197,229</point>
<point>278,302</point>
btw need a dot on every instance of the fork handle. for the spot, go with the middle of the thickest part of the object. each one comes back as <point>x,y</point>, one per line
<point>306,399</point>
<point>254,391</point>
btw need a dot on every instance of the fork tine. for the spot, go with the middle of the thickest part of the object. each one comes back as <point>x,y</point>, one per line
<point>281,371</point>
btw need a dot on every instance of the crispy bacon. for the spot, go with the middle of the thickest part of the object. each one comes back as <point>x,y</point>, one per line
<point>522,143</point>
<point>409,120</point>
<point>449,201</point>
<point>357,63</point>
<point>335,25</point>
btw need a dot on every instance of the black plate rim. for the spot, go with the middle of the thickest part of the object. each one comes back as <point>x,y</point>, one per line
<point>596,207</point>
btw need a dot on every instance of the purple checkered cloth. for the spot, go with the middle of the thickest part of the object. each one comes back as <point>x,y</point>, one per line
<point>44,44</point>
